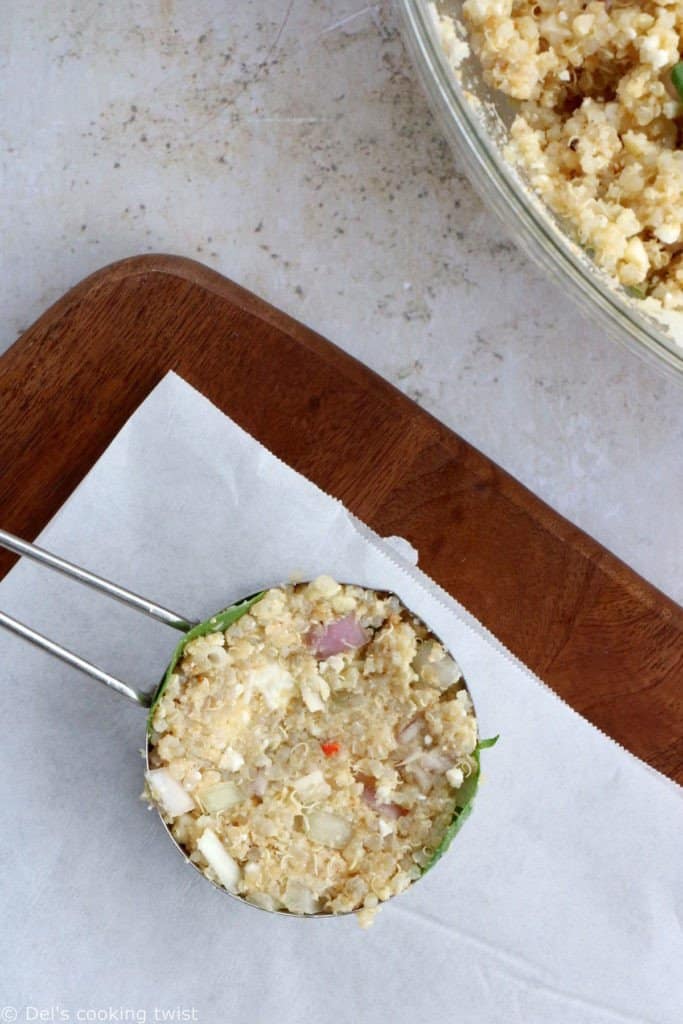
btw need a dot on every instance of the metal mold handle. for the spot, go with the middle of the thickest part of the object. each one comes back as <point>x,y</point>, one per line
<point>76,572</point>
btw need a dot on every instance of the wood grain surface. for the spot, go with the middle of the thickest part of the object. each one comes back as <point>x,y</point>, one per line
<point>603,638</point>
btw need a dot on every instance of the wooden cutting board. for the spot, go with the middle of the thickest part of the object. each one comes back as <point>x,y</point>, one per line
<point>603,638</point>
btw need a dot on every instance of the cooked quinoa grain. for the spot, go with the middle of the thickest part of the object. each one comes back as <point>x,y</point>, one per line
<point>309,757</point>
<point>598,124</point>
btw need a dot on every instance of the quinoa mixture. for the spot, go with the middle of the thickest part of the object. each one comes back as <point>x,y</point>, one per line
<point>309,757</point>
<point>598,129</point>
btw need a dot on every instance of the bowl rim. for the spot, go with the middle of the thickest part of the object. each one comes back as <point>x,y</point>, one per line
<point>526,216</point>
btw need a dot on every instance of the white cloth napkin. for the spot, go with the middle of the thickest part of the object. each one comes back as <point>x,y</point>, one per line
<point>560,901</point>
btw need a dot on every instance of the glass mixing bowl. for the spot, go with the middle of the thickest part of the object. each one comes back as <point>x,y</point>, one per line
<point>475,119</point>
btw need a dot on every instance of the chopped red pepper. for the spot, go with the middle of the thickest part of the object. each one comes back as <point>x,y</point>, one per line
<point>329,748</point>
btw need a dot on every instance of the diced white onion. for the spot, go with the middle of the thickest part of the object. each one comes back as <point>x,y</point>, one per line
<point>168,793</point>
<point>434,666</point>
<point>300,900</point>
<point>224,866</point>
<point>329,829</point>
<point>385,828</point>
<point>447,672</point>
<point>221,796</point>
<point>312,700</point>
<point>455,777</point>
<point>263,900</point>
<point>312,786</point>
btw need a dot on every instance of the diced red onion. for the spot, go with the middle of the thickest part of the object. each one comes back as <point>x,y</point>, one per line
<point>433,761</point>
<point>392,811</point>
<point>329,829</point>
<point>259,784</point>
<point>409,732</point>
<point>389,811</point>
<point>336,637</point>
<point>425,780</point>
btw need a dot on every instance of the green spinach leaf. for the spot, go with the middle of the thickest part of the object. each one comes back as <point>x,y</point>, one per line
<point>464,806</point>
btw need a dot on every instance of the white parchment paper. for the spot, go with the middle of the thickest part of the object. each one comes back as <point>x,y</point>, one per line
<point>560,901</point>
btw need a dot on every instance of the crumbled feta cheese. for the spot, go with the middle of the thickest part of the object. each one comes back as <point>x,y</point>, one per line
<point>231,760</point>
<point>668,233</point>
<point>324,586</point>
<point>455,777</point>
<point>274,683</point>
